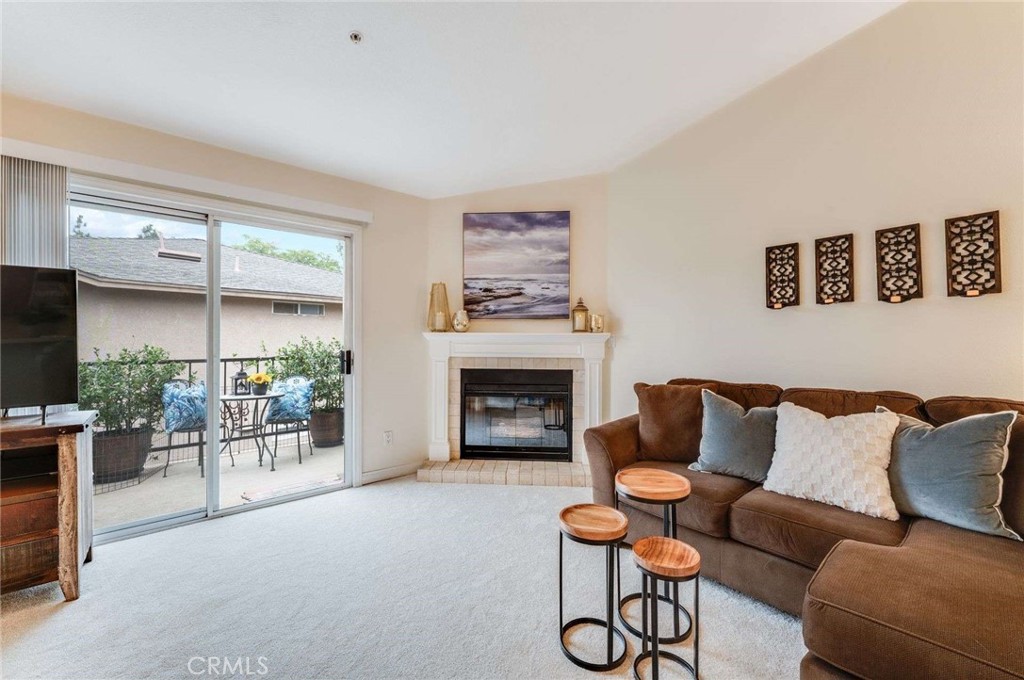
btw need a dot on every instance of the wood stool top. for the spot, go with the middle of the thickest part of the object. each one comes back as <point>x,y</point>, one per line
<point>592,522</point>
<point>652,484</point>
<point>666,557</point>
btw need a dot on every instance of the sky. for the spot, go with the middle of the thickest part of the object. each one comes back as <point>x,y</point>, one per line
<point>509,244</point>
<point>112,224</point>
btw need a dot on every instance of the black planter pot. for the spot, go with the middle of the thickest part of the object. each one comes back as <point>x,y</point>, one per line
<point>259,390</point>
<point>327,428</point>
<point>120,456</point>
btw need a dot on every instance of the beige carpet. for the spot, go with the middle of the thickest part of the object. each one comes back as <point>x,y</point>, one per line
<point>393,580</point>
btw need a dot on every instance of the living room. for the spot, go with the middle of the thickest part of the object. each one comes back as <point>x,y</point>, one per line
<point>797,213</point>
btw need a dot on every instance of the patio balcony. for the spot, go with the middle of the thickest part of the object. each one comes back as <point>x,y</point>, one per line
<point>243,479</point>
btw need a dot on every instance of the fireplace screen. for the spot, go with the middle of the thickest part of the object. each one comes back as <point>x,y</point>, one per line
<point>516,414</point>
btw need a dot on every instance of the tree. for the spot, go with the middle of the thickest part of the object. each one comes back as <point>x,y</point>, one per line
<point>304,256</point>
<point>78,229</point>
<point>148,231</point>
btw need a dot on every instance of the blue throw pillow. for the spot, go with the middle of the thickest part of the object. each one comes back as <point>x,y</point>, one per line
<point>953,473</point>
<point>735,441</point>
<point>293,404</point>
<point>184,406</point>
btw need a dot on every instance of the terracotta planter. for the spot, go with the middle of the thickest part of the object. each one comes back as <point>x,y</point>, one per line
<point>119,456</point>
<point>327,428</point>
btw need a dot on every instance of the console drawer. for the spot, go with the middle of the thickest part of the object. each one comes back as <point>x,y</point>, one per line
<point>29,517</point>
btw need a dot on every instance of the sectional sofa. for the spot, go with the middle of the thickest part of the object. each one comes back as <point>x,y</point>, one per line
<point>914,598</point>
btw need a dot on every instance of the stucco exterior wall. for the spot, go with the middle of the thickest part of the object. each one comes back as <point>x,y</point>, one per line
<point>112,318</point>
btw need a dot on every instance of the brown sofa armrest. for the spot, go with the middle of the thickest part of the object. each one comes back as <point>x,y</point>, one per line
<point>611,447</point>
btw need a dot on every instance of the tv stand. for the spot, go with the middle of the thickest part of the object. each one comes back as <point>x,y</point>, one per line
<point>46,499</point>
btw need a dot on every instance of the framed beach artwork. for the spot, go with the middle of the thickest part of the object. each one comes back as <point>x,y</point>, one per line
<point>516,265</point>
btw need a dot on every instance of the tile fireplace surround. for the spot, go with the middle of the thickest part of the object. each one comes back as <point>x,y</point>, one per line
<point>584,353</point>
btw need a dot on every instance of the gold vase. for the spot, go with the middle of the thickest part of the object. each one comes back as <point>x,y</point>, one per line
<point>439,319</point>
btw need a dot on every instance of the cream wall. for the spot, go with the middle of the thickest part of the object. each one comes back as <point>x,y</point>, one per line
<point>915,118</point>
<point>584,197</point>
<point>394,358</point>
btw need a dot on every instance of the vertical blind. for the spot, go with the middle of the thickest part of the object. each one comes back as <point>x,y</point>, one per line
<point>34,214</point>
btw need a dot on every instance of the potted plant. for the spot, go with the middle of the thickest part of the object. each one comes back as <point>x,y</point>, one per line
<point>126,391</point>
<point>260,382</point>
<point>319,360</point>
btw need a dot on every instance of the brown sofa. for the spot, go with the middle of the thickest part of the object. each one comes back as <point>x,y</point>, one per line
<point>913,598</point>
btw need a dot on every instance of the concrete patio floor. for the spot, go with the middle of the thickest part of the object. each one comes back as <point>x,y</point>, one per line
<point>183,488</point>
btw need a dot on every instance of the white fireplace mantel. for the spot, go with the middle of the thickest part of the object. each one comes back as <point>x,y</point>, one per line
<point>590,347</point>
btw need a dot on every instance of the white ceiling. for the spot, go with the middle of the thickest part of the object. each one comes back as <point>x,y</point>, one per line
<point>437,99</point>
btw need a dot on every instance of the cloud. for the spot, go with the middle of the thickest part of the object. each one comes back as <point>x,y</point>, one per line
<point>502,244</point>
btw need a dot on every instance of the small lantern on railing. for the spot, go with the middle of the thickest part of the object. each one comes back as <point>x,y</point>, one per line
<point>240,382</point>
<point>580,318</point>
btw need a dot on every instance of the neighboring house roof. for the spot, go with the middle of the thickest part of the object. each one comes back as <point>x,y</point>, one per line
<point>133,263</point>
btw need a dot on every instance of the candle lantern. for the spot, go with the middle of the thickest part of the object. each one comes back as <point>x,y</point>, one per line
<point>580,318</point>
<point>439,319</point>
<point>240,382</point>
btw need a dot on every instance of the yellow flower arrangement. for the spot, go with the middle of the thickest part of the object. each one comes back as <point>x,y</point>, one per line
<point>260,378</point>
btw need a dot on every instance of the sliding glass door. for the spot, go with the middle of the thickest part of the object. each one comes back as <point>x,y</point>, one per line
<point>142,290</point>
<point>282,332</point>
<point>216,354</point>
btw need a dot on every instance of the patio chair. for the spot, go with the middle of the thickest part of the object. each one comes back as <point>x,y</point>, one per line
<point>291,408</point>
<point>184,413</point>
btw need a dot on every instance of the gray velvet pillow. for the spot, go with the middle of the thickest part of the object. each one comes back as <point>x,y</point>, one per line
<point>736,442</point>
<point>953,473</point>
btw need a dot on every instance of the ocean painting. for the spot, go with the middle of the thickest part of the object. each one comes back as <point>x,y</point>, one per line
<point>516,265</point>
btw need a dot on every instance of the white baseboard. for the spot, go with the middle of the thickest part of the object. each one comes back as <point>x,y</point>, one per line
<point>392,472</point>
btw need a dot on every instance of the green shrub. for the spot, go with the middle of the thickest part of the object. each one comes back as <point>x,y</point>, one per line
<point>126,389</point>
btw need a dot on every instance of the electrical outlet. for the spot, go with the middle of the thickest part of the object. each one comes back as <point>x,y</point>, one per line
<point>389,437</point>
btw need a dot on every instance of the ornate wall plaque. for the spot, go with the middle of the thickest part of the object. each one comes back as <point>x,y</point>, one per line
<point>782,275</point>
<point>972,255</point>
<point>898,263</point>
<point>833,269</point>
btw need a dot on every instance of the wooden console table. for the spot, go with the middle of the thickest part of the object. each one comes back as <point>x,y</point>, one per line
<point>46,499</point>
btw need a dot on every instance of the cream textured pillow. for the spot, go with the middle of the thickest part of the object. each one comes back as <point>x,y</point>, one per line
<point>841,461</point>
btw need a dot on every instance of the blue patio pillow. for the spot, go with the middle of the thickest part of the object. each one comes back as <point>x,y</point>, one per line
<point>184,406</point>
<point>293,404</point>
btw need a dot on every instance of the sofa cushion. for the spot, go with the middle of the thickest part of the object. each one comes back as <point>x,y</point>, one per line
<point>832,403</point>
<point>736,441</point>
<point>953,473</point>
<point>670,421</point>
<point>747,395</point>
<point>948,603</point>
<point>944,410</point>
<point>843,460</point>
<point>804,531</point>
<point>707,508</point>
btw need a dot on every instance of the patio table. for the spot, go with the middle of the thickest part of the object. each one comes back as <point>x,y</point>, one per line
<point>235,409</point>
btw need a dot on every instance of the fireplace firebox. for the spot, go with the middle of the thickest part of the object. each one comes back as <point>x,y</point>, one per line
<point>519,414</point>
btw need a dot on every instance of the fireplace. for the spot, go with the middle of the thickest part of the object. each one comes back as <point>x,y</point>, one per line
<point>516,414</point>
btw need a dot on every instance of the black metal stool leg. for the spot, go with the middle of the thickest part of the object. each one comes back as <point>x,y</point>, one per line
<point>610,597</point>
<point>561,616</point>
<point>168,461</point>
<point>643,612</point>
<point>654,630</point>
<point>609,621</point>
<point>696,628</point>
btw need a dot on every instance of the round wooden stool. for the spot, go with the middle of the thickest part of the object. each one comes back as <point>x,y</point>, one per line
<point>671,561</point>
<point>657,487</point>
<point>591,524</point>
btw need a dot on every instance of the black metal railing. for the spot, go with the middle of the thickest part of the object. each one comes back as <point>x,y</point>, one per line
<point>185,446</point>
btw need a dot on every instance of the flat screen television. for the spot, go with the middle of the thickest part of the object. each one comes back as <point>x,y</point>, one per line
<point>38,336</point>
